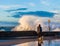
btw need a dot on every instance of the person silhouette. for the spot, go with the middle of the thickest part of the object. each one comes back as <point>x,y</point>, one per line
<point>39,29</point>
<point>39,32</point>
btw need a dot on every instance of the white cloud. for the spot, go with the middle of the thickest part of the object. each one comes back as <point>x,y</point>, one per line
<point>28,22</point>
<point>55,11</point>
<point>31,4</point>
<point>57,29</point>
<point>44,2</point>
<point>4,7</point>
<point>56,17</point>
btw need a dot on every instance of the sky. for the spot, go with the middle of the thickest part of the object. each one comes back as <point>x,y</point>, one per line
<point>30,5</point>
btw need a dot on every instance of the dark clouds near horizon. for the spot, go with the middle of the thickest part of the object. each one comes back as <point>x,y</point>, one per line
<point>36,13</point>
<point>17,9</point>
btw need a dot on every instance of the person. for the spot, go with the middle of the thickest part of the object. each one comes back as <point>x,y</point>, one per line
<point>39,32</point>
<point>39,29</point>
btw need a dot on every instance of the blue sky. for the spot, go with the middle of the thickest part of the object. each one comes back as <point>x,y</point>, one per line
<point>45,5</point>
<point>30,5</point>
